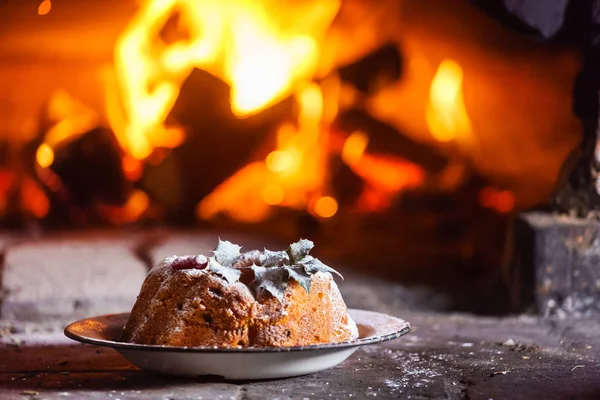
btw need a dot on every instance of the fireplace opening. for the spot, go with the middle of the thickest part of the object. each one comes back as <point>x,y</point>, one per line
<point>402,134</point>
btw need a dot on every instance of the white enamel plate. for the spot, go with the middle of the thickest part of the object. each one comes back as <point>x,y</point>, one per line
<point>239,363</point>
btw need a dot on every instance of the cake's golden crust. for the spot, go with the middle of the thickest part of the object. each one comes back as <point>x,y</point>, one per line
<point>198,308</point>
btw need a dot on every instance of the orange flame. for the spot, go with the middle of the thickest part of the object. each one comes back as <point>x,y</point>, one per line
<point>292,175</point>
<point>503,201</point>
<point>354,148</point>
<point>69,118</point>
<point>262,49</point>
<point>135,206</point>
<point>44,7</point>
<point>7,182</point>
<point>44,155</point>
<point>389,174</point>
<point>385,176</point>
<point>34,200</point>
<point>446,115</point>
<point>325,207</point>
<point>265,50</point>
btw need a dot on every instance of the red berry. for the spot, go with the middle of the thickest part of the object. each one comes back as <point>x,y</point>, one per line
<point>189,262</point>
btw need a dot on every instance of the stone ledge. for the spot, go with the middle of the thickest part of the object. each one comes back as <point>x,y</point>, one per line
<point>444,357</point>
<point>70,277</point>
<point>103,385</point>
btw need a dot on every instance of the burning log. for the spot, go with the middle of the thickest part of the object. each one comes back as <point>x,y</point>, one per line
<point>385,139</point>
<point>89,168</point>
<point>345,183</point>
<point>61,185</point>
<point>85,174</point>
<point>217,142</point>
<point>379,68</point>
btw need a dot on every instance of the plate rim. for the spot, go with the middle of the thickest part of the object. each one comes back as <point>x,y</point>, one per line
<point>369,340</point>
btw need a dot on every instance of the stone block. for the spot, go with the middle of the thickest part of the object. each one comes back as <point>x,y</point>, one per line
<point>556,265</point>
<point>69,277</point>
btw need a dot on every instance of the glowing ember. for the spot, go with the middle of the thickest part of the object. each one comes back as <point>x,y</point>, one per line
<point>137,204</point>
<point>273,194</point>
<point>447,116</point>
<point>132,168</point>
<point>7,181</point>
<point>325,207</point>
<point>354,147</point>
<point>44,155</point>
<point>503,201</point>
<point>384,176</point>
<point>44,7</point>
<point>34,200</point>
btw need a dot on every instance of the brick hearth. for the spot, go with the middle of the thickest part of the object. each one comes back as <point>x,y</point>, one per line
<point>48,283</point>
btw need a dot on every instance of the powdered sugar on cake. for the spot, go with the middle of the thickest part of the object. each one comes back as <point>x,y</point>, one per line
<point>201,301</point>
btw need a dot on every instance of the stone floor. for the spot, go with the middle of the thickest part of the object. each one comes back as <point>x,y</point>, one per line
<point>48,283</point>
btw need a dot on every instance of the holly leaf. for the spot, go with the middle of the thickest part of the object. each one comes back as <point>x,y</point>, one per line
<point>227,253</point>
<point>231,275</point>
<point>278,267</point>
<point>299,275</point>
<point>313,265</point>
<point>297,251</point>
<point>273,280</point>
<point>274,258</point>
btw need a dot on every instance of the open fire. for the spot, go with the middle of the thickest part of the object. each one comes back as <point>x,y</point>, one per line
<point>265,51</point>
<point>282,62</point>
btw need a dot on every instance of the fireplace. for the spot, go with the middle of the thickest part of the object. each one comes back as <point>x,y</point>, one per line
<point>405,134</point>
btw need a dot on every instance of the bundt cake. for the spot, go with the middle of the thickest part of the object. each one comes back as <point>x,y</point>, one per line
<point>233,299</point>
